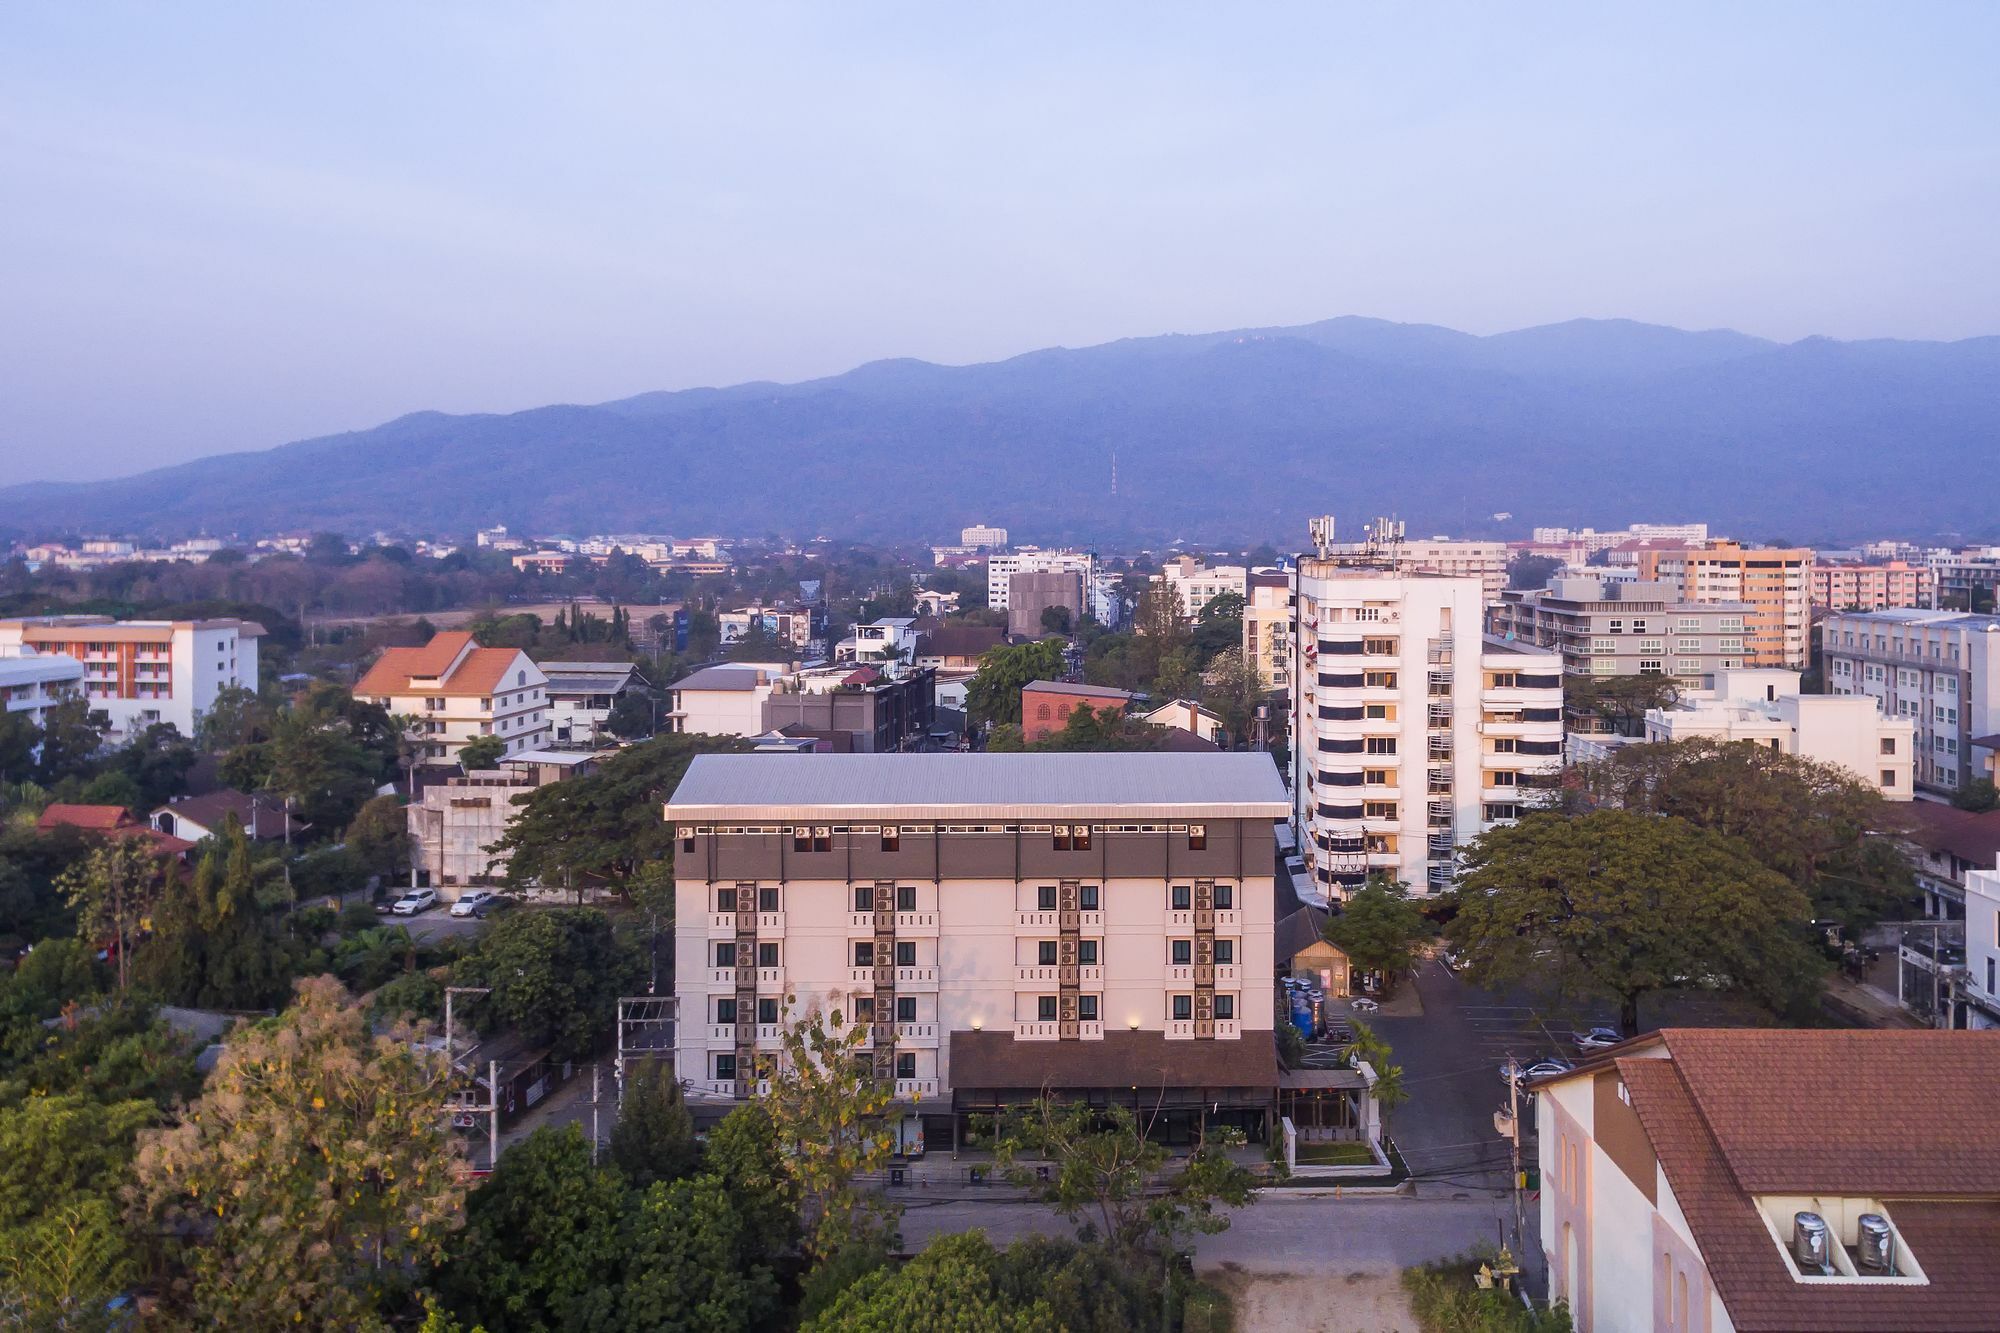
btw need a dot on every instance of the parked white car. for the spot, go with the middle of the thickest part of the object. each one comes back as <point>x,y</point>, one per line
<point>415,901</point>
<point>1597,1039</point>
<point>474,903</point>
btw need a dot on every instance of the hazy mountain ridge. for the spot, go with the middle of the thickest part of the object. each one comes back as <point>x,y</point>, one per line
<point>1225,435</point>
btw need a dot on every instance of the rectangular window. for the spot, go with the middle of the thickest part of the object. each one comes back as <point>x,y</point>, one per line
<point>1197,837</point>
<point>1504,778</point>
<point>1183,898</point>
<point>822,838</point>
<point>1225,952</point>
<point>1378,809</point>
<point>906,1065</point>
<point>1086,898</point>
<point>1045,898</point>
<point>1225,898</point>
<point>864,898</point>
<point>1503,745</point>
<point>1183,1008</point>
<point>1376,777</point>
<point>767,955</point>
<point>725,1068</point>
<point>725,1010</point>
<point>906,1008</point>
<point>767,1011</point>
<point>1086,952</point>
<point>1225,1006</point>
<point>864,953</point>
<point>802,840</point>
<point>725,954</point>
<point>1045,952</point>
<point>1045,1008</point>
<point>1888,745</point>
<point>1888,777</point>
<point>1380,745</point>
<point>1063,838</point>
<point>1379,680</point>
<point>1086,1008</point>
<point>725,900</point>
<point>1379,647</point>
<point>1183,952</point>
<point>906,953</point>
<point>864,1008</point>
<point>767,900</point>
<point>1080,838</point>
<point>1375,711</point>
<point>892,839</point>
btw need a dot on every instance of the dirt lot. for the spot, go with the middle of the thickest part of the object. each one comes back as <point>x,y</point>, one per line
<point>1360,1302</point>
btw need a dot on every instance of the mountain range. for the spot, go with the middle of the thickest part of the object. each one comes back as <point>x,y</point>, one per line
<point>1214,437</point>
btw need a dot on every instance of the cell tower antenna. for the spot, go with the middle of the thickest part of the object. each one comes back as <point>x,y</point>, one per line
<point>1321,531</point>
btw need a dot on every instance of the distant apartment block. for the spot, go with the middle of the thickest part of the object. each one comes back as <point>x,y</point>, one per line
<point>1485,561</point>
<point>1031,595</point>
<point>1100,596</point>
<point>799,626</point>
<point>33,682</point>
<point>1773,583</point>
<point>1894,585</point>
<point>982,535</point>
<point>1968,580</point>
<point>724,700</point>
<point>547,562</point>
<point>141,672</point>
<point>581,696</point>
<point>1267,627</point>
<point>1593,541</point>
<point>1939,669</point>
<point>1608,628</point>
<point>855,709</point>
<point>454,691</point>
<point>1762,705</point>
<point>1004,927</point>
<point>1195,584</point>
<point>892,639</point>
<point>1412,733</point>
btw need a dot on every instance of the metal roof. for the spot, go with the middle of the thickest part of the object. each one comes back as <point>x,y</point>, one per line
<point>721,678</point>
<point>1022,786</point>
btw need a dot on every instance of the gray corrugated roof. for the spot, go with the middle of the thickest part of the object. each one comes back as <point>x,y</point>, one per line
<point>1076,688</point>
<point>1026,786</point>
<point>719,678</point>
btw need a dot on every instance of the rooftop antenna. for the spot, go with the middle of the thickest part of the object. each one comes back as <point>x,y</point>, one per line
<point>1321,531</point>
<point>1384,539</point>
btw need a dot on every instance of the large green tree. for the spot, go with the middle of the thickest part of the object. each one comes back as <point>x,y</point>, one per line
<point>1619,702</point>
<point>113,890</point>
<point>212,946</point>
<point>689,1265</point>
<point>654,1137</point>
<point>71,736</point>
<point>1379,929</point>
<point>556,976</point>
<point>1822,828</point>
<point>1613,905</point>
<point>994,694</point>
<point>957,1285</point>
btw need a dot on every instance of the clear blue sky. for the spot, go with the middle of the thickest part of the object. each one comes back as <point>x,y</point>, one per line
<point>223,226</point>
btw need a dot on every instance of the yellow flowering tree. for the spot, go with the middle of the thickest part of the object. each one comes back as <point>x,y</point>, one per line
<point>315,1167</point>
<point>830,1119</point>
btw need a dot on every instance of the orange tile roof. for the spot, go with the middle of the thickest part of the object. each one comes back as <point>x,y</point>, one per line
<point>479,672</point>
<point>99,817</point>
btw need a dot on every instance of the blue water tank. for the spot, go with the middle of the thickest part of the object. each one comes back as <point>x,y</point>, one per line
<point>1302,1014</point>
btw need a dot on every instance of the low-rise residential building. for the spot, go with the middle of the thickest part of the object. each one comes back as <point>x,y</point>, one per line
<point>581,696</point>
<point>1267,627</point>
<point>724,700</point>
<point>889,641</point>
<point>262,815</point>
<point>453,691</point>
<point>1186,715</point>
<point>1763,705</point>
<point>546,562</point>
<point>454,824</point>
<point>1940,669</point>
<point>1768,1181</point>
<point>1897,583</point>
<point>1005,926</point>
<point>855,709</point>
<point>139,673</point>
<point>1774,585</point>
<point>1196,584</point>
<point>955,650</point>
<point>1047,704</point>
<point>33,682</point>
<point>1947,847</point>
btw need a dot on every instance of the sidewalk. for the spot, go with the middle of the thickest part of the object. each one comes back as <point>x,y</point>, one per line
<point>1865,1006</point>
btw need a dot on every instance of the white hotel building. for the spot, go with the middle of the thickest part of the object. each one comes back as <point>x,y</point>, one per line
<point>1094,925</point>
<point>138,673</point>
<point>1412,731</point>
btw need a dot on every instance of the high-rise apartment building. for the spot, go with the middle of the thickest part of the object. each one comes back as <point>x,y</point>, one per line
<point>1603,627</point>
<point>142,672</point>
<point>1100,599</point>
<point>1267,627</point>
<point>1940,669</point>
<point>1884,587</point>
<point>1003,925</point>
<point>1412,732</point>
<point>1773,583</point>
<point>1196,584</point>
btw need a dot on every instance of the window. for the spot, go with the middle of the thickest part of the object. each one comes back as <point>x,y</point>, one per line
<point>802,840</point>
<point>1225,1006</point>
<point>1086,898</point>
<point>1045,1008</point>
<point>1649,666</point>
<point>1379,647</point>
<point>767,1011</point>
<point>1045,898</point>
<point>1183,898</point>
<point>1888,745</point>
<point>864,953</point>
<point>892,839</point>
<point>864,898</point>
<point>1063,838</point>
<point>1503,745</point>
<point>1375,711</point>
<point>906,897</point>
<point>906,1065</point>
<point>725,900</point>
<point>864,1008</point>
<point>1888,777</point>
<point>1225,898</point>
<point>1086,1008</point>
<point>1380,745</point>
<point>906,953</point>
<point>767,955</point>
<point>767,900</point>
<point>1045,953</point>
<point>1183,952</point>
<point>1378,809</point>
<point>1376,777</point>
<point>725,1010</point>
<point>1197,837</point>
<point>725,954</point>
<point>906,1008</point>
<point>725,1068</point>
<point>1379,680</point>
<point>1183,1008</point>
<point>1504,778</point>
<point>1225,952</point>
<point>1086,953</point>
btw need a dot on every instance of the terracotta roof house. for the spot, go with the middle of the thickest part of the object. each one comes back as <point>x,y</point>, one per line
<point>1775,1182</point>
<point>196,817</point>
<point>454,691</point>
<point>111,821</point>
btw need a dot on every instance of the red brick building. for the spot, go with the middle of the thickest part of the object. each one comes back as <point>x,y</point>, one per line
<point>1047,704</point>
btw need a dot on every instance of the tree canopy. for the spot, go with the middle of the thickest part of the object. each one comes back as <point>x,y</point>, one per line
<point>1379,929</point>
<point>994,694</point>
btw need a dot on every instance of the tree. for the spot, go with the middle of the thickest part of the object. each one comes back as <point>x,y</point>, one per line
<point>543,1244</point>
<point>1619,702</point>
<point>211,946</point>
<point>232,719</point>
<point>952,1287</point>
<point>686,1264</point>
<point>113,890</point>
<point>1831,834</point>
<point>60,1149</point>
<point>654,1137</point>
<point>315,1165</point>
<point>1369,1048</point>
<point>63,1270</point>
<point>71,736</point>
<point>18,738</point>
<point>481,752</point>
<point>1531,571</point>
<point>380,837</point>
<point>604,827</point>
<point>744,1152</point>
<point>556,976</point>
<point>156,761</point>
<point>829,1117</point>
<point>994,694</point>
<point>1614,905</point>
<point>1234,691</point>
<point>1110,1179</point>
<point>1379,929</point>
<point>1978,796</point>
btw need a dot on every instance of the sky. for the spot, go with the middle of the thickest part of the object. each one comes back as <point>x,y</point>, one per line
<point>226,226</point>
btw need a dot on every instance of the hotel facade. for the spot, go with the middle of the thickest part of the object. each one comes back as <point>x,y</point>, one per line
<point>1096,926</point>
<point>142,672</point>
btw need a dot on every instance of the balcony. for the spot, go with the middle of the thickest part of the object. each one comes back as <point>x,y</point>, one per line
<point>863,977</point>
<point>919,1033</point>
<point>1026,1029</point>
<point>1092,920</point>
<point>771,925</point>
<point>1223,919</point>
<point>1224,1029</point>
<point>1052,973</point>
<point>923,925</point>
<point>916,1087</point>
<point>917,976</point>
<point>708,1087</point>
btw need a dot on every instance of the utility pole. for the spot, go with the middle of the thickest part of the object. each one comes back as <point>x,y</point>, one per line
<point>449,992</point>
<point>1514,1136</point>
<point>596,1070</point>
